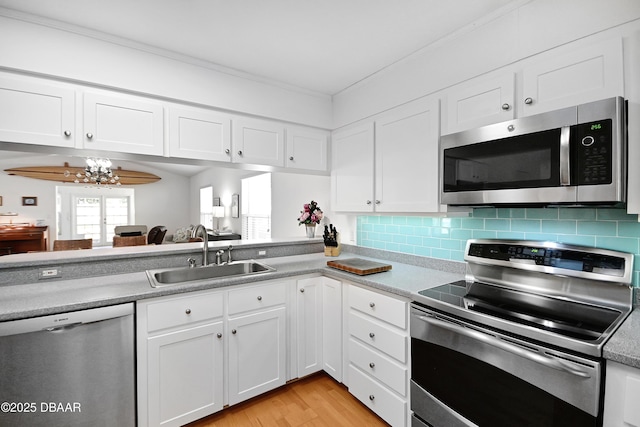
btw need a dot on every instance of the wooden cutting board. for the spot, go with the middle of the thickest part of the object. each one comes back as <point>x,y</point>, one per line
<point>359,266</point>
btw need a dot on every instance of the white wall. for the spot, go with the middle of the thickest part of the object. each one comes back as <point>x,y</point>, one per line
<point>165,202</point>
<point>49,51</point>
<point>289,193</point>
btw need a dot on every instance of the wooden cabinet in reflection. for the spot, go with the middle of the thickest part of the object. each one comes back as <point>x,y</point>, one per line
<point>15,240</point>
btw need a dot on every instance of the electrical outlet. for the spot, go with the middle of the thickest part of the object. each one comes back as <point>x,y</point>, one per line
<point>50,272</point>
<point>262,253</point>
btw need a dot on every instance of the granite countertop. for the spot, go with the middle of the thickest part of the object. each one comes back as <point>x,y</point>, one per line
<point>404,280</point>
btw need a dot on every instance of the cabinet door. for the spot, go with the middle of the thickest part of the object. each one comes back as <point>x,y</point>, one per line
<point>309,323</point>
<point>258,142</point>
<point>407,158</point>
<point>307,149</point>
<point>34,113</point>
<point>199,134</point>
<point>332,327</point>
<point>122,123</point>
<point>185,375</point>
<point>621,395</point>
<point>352,169</point>
<point>257,354</point>
<point>573,77</point>
<point>479,102</point>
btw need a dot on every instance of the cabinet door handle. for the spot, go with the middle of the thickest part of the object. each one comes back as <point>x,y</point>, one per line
<point>372,304</point>
<point>239,152</point>
<point>528,101</point>
<point>378,202</point>
<point>89,136</point>
<point>219,335</point>
<point>506,106</point>
<point>291,158</point>
<point>233,331</point>
<point>188,311</point>
<point>368,202</point>
<point>227,151</point>
<point>372,335</point>
<point>302,290</point>
<point>67,133</point>
<point>371,397</point>
<point>259,298</point>
<point>372,365</point>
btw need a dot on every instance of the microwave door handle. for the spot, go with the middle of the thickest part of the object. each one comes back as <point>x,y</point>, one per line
<point>565,156</point>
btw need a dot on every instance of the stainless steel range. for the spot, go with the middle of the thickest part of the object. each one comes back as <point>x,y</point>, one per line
<point>519,342</point>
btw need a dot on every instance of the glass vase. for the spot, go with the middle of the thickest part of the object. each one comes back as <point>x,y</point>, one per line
<point>311,230</point>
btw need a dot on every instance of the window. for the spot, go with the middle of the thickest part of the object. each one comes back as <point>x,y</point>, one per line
<point>94,213</point>
<point>206,206</point>
<point>256,207</point>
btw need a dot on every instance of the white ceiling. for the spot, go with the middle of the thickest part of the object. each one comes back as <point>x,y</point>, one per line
<point>320,45</point>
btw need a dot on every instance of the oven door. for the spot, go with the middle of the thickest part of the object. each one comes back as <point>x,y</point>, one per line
<point>464,375</point>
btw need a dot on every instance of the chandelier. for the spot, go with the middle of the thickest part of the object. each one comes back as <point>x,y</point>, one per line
<point>98,171</point>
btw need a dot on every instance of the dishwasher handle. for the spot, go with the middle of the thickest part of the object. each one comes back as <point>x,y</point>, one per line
<point>57,322</point>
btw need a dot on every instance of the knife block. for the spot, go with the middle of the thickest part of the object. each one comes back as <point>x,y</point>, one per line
<point>332,250</point>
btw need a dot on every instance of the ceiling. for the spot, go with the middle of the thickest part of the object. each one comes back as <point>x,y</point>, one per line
<point>323,46</point>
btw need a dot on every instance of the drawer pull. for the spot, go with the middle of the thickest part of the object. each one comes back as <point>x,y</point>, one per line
<point>372,365</point>
<point>371,397</point>
<point>259,298</point>
<point>372,304</point>
<point>233,331</point>
<point>302,290</point>
<point>219,335</point>
<point>188,311</point>
<point>371,335</point>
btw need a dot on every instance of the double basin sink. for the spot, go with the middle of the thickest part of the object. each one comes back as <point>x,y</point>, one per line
<point>180,275</point>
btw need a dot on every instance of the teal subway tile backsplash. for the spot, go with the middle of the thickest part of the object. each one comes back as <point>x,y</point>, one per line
<point>446,238</point>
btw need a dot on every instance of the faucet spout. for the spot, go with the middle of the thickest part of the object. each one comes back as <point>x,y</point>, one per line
<point>202,231</point>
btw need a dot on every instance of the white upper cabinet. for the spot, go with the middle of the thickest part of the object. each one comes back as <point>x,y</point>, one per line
<point>199,134</point>
<point>36,113</point>
<point>307,148</point>
<point>562,78</point>
<point>557,79</point>
<point>479,102</point>
<point>352,169</point>
<point>397,171</point>
<point>258,142</point>
<point>406,153</point>
<point>126,124</point>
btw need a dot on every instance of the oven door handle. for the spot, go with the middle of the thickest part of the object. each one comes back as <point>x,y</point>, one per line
<point>503,345</point>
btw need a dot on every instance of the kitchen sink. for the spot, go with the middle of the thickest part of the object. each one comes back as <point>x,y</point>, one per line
<point>173,276</point>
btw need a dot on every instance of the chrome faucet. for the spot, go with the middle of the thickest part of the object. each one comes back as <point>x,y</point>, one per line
<point>200,229</point>
<point>229,254</point>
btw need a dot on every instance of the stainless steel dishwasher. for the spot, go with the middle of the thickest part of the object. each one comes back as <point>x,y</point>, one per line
<point>70,369</point>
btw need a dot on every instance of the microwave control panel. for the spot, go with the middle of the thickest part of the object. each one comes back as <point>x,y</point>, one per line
<point>592,150</point>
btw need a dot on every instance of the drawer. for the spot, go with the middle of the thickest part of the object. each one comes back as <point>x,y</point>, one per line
<point>379,399</point>
<point>257,297</point>
<point>178,311</point>
<point>384,338</point>
<point>379,366</point>
<point>383,307</point>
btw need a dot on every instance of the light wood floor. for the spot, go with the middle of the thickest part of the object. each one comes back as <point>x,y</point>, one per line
<point>316,401</point>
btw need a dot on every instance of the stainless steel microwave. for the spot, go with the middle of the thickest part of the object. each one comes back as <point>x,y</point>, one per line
<point>572,156</point>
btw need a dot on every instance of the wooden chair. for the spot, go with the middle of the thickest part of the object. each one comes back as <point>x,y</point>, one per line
<point>67,245</point>
<point>129,241</point>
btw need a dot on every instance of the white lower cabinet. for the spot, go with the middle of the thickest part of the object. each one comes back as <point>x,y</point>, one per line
<point>378,353</point>
<point>180,358</point>
<point>621,393</point>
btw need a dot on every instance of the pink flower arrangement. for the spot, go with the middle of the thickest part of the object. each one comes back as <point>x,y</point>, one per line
<point>311,214</point>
